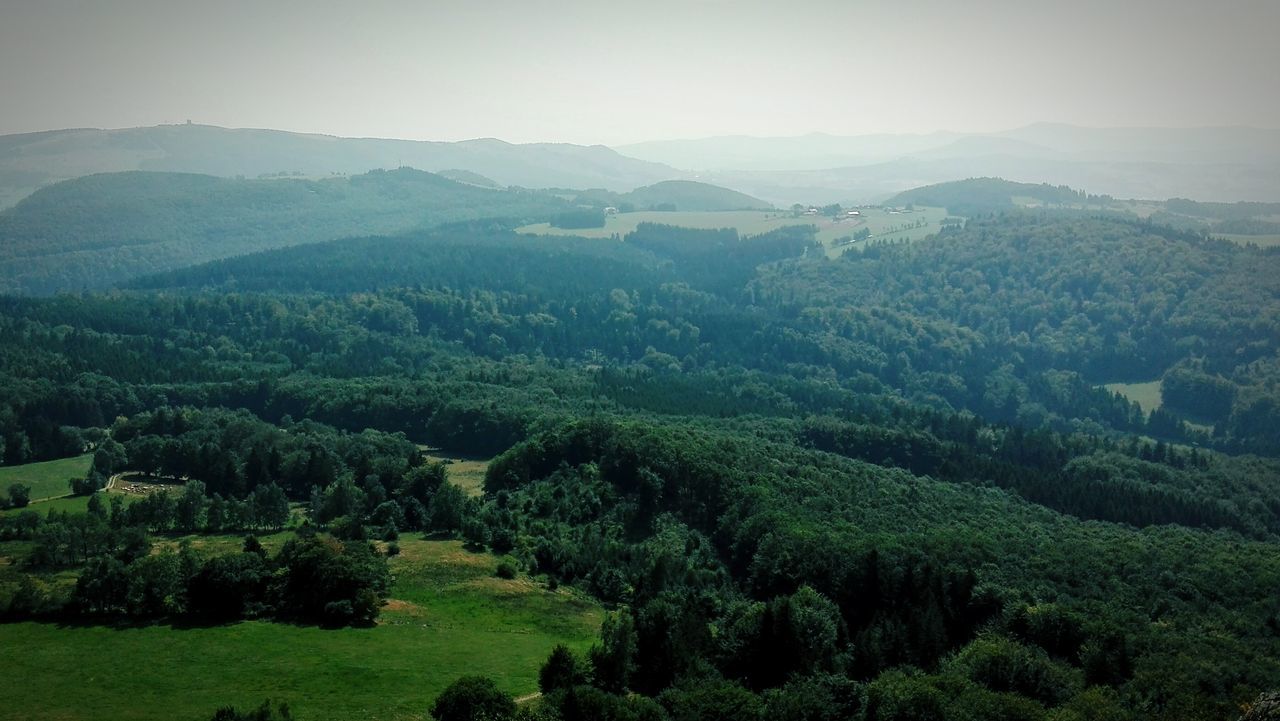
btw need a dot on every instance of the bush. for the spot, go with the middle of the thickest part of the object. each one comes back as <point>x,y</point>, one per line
<point>473,698</point>
<point>19,495</point>
<point>262,713</point>
<point>506,570</point>
<point>1004,665</point>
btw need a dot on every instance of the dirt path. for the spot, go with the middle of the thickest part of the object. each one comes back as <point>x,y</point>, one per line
<point>530,697</point>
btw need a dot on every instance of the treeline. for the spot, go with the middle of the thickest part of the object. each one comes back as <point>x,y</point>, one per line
<point>312,579</point>
<point>982,196</point>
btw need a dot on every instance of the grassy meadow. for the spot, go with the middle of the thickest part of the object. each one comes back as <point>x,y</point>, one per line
<point>466,472</point>
<point>47,479</point>
<point>70,504</point>
<point>882,224</point>
<point>1146,395</point>
<point>448,615</point>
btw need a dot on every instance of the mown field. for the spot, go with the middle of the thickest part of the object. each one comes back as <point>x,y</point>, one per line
<point>47,479</point>
<point>902,225</point>
<point>448,616</point>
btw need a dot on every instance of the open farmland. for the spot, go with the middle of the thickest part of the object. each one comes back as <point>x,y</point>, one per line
<point>883,223</point>
<point>447,616</point>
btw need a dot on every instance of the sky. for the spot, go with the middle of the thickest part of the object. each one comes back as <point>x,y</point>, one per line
<point>596,71</point>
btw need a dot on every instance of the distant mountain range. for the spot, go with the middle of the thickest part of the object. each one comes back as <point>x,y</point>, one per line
<point>32,160</point>
<point>1211,164</point>
<point>1222,164</point>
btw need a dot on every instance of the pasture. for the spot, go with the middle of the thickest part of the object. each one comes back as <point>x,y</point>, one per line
<point>892,225</point>
<point>448,616</point>
<point>48,479</point>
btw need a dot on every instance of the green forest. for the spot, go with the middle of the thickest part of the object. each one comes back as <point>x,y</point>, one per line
<point>884,486</point>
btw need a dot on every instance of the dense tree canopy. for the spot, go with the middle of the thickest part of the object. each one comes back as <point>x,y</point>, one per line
<point>888,485</point>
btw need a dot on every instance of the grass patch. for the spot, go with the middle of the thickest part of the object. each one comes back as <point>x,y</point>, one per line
<point>48,479</point>
<point>1146,395</point>
<point>448,617</point>
<point>70,504</point>
<point>466,472</point>
<point>219,545</point>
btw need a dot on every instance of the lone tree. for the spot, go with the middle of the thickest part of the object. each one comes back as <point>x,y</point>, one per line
<point>560,671</point>
<point>473,698</point>
<point>19,495</point>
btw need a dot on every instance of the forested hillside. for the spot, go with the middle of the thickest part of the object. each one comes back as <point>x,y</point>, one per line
<point>989,195</point>
<point>1098,299</point>
<point>884,486</point>
<point>690,196</point>
<point>97,231</point>
<point>1243,221</point>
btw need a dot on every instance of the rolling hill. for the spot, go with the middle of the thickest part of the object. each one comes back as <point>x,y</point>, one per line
<point>31,160</point>
<point>96,231</point>
<point>692,196</point>
<point>1213,164</point>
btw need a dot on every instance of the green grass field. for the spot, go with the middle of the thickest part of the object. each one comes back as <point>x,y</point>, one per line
<point>881,223</point>
<point>1146,395</point>
<point>47,479</point>
<point>69,504</point>
<point>464,471</point>
<point>448,616</point>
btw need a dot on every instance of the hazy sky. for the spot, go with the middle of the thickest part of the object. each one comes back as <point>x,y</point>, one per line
<point>595,71</point>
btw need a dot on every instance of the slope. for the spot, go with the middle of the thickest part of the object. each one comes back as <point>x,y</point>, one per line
<point>96,231</point>
<point>692,196</point>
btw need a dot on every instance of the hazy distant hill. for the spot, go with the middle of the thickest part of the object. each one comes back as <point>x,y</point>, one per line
<point>28,161</point>
<point>692,196</point>
<point>1217,164</point>
<point>95,231</point>
<point>1245,221</point>
<point>974,196</point>
<point>470,178</point>
<point>800,152</point>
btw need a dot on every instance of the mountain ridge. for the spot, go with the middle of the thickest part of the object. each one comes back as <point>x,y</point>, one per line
<point>29,161</point>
